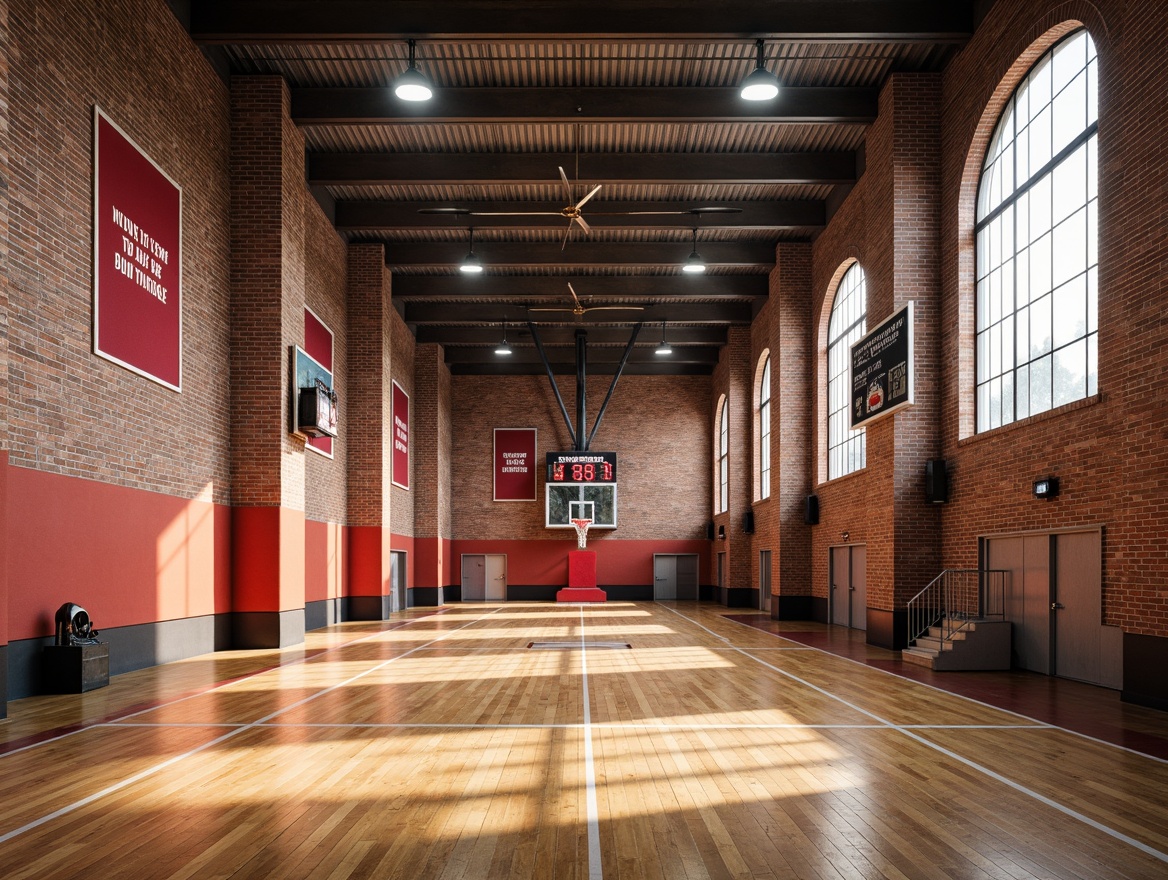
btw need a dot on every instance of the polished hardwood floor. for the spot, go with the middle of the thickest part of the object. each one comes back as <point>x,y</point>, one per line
<point>525,740</point>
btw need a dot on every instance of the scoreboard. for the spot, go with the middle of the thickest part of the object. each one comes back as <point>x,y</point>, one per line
<point>581,467</point>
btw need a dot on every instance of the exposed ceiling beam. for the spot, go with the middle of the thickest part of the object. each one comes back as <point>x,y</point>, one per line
<point>220,21</point>
<point>589,287</point>
<point>368,106</point>
<point>688,354</point>
<point>518,335</point>
<point>649,368</point>
<point>386,216</point>
<point>683,313</point>
<point>645,168</point>
<point>580,253</point>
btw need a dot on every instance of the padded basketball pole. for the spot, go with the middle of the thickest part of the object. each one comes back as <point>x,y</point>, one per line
<point>551,378</point>
<point>612,385</point>
<point>581,444</point>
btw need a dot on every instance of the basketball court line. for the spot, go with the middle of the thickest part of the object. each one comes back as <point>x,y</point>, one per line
<point>940,690</point>
<point>973,765</point>
<point>595,868</point>
<point>174,759</point>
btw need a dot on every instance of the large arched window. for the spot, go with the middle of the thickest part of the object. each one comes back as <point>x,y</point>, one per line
<point>764,431</point>
<point>849,313</point>
<point>1037,242</point>
<point>722,500</point>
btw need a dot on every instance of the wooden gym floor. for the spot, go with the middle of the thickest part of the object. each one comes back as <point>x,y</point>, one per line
<point>439,744</point>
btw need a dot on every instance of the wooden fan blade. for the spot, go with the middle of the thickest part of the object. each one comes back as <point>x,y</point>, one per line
<point>567,232</point>
<point>537,309</point>
<point>715,209</point>
<point>567,186</point>
<point>594,191</point>
<point>583,225</point>
<point>615,309</point>
<point>572,291</point>
<point>458,212</point>
<point>515,213</point>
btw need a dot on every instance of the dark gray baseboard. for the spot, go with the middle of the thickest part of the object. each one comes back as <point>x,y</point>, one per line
<point>792,608</point>
<point>369,608</point>
<point>267,629</point>
<point>325,612</point>
<point>3,681</point>
<point>1144,682</point>
<point>425,597</point>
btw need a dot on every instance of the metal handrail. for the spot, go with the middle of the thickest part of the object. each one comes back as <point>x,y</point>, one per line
<point>955,598</point>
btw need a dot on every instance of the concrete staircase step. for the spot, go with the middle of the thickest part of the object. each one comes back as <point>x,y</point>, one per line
<point>919,657</point>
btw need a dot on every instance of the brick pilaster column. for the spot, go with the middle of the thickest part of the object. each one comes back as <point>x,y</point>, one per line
<point>267,305</point>
<point>370,387</point>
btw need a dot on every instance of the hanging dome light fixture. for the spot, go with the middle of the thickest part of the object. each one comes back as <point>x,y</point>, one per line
<point>471,264</point>
<point>760,84</point>
<point>504,349</point>
<point>413,85</point>
<point>695,264</point>
<point>663,348</point>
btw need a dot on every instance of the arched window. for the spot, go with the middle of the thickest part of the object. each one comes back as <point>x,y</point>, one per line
<point>764,431</point>
<point>849,313</point>
<point>722,501</point>
<point>1037,242</point>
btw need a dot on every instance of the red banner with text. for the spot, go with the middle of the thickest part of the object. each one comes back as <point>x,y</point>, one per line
<point>401,438</point>
<point>515,464</point>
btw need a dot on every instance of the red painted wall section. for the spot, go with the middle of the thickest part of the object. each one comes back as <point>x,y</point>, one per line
<point>326,563</point>
<point>268,563</point>
<point>433,563</point>
<point>126,555</point>
<point>624,563</point>
<point>368,560</point>
<point>405,544</point>
<point>3,557</point>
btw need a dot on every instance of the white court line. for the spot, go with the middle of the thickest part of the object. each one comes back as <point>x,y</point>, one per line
<point>1041,798</point>
<point>940,690</point>
<point>113,722</point>
<point>150,771</point>
<point>598,725</point>
<point>595,869</point>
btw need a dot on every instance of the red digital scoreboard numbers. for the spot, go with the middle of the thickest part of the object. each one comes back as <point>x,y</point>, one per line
<point>581,467</point>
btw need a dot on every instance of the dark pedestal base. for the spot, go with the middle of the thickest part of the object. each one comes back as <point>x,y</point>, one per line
<point>75,669</point>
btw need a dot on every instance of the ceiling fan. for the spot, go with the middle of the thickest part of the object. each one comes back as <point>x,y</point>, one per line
<point>579,310</point>
<point>572,213</point>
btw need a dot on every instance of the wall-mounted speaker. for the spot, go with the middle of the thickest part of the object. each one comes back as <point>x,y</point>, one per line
<point>811,510</point>
<point>710,531</point>
<point>748,522</point>
<point>936,481</point>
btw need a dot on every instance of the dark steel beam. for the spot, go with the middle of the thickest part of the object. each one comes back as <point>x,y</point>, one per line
<point>565,369</point>
<point>371,106</point>
<point>597,356</point>
<point>388,169</point>
<point>580,253</point>
<point>222,21</point>
<point>683,313</point>
<point>517,335</point>
<point>521,287</point>
<point>386,216</point>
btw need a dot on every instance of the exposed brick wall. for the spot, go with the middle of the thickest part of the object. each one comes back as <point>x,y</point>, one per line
<point>733,377</point>
<point>367,412</point>
<point>1109,452</point>
<point>432,439</point>
<point>70,411</point>
<point>658,427</point>
<point>267,281</point>
<point>325,479</point>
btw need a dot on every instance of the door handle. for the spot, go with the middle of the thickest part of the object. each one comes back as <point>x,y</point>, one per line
<point>1057,606</point>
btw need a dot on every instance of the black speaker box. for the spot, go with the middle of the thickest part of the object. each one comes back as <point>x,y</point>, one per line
<point>748,522</point>
<point>709,531</point>
<point>811,510</point>
<point>936,481</point>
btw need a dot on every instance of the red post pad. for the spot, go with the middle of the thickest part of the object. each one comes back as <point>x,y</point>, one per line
<point>581,579</point>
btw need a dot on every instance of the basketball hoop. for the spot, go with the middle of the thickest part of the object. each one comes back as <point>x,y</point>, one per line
<point>581,527</point>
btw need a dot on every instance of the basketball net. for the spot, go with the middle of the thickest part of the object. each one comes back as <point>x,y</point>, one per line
<point>581,527</point>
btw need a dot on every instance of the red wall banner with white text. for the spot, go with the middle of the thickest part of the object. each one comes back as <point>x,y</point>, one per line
<point>137,253</point>
<point>515,464</point>
<point>401,438</point>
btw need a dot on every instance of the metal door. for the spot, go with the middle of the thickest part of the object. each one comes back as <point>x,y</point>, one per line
<point>397,580</point>
<point>764,580</point>
<point>1026,559</point>
<point>1077,607</point>
<point>664,576</point>
<point>496,577</point>
<point>841,583</point>
<point>474,578</point>
<point>858,603</point>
